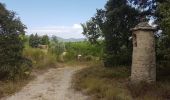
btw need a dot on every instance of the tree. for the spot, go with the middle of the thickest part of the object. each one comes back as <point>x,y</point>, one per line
<point>31,39</point>
<point>55,39</point>
<point>113,24</point>
<point>92,31</point>
<point>34,40</point>
<point>146,8</point>
<point>163,20</point>
<point>11,45</point>
<point>163,15</point>
<point>45,40</point>
<point>120,17</point>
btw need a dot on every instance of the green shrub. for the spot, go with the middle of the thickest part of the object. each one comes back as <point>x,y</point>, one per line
<point>11,60</point>
<point>122,59</point>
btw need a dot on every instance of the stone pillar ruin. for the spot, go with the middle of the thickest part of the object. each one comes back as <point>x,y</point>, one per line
<point>143,58</point>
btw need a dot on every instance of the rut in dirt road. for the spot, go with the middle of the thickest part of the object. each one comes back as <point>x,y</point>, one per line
<point>53,85</point>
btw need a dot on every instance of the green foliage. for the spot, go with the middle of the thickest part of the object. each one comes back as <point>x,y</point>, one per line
<point>123,58</point>
<point>45,40</point>
<point>163,46</point>
<point>145,7</point>
<point>113,24</point>
<point>163,14</point>
<point>120,18</point>
<point>56,47</point>
<point>25,39</point>
<point>91,31</point>
<point>82,48</point>
<point>11,44</point>
<point>34,40</point>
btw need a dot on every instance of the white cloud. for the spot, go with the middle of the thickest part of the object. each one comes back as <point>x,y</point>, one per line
<point>77,26</point>
<point>73,31</point>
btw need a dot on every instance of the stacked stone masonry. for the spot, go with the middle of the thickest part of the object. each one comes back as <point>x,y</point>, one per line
<point>143,59</point>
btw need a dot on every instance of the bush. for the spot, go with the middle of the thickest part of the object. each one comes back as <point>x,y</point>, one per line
<point>11,59</point>
<point>122,59</point>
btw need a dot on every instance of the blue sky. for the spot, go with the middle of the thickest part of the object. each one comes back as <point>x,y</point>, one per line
<point>54,17</point>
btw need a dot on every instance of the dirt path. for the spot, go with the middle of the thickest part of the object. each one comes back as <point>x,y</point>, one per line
<point>53,85</point>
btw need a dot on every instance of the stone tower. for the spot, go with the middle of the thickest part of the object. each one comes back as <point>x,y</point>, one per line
<point>143,59</point>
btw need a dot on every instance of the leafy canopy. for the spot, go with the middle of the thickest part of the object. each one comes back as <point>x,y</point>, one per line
<point>113,24</point>
<point>11,44</point>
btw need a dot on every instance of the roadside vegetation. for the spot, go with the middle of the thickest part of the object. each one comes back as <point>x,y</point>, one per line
<point>87,51</point>
<point>102,83</point>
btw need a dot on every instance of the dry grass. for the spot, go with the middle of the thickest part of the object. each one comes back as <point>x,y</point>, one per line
<point>113,84</point>
<point>157,91</point>
<point>9,87</point>
<point>39,58</point>
<point>103,83</point>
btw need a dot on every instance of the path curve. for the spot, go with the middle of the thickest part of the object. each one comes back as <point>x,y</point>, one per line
<point>53,85</point>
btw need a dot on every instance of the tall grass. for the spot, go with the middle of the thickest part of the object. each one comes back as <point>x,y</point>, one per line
<point>40,58</point>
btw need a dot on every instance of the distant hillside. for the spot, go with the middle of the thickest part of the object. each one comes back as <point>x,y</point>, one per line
<point>70,39</point>
<point>74,40</point>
